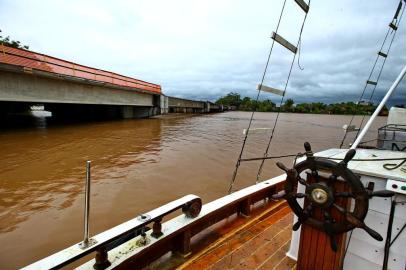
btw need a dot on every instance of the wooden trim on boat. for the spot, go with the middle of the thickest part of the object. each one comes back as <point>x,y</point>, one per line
<point>177,239</point>
<point>175,234</point>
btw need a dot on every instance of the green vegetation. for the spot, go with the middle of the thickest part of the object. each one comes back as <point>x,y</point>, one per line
<point>12,43</point>
<point>231,99</point>
<point>248,104</point>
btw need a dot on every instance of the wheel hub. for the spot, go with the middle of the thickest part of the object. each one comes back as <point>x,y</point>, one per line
<point>319,196</point>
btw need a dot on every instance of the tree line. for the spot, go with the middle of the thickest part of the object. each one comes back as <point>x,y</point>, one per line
<point>248,104</point>
<point>12,43</point>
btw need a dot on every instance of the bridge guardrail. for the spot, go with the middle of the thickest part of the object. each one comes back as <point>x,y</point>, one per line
<point>29,60</point>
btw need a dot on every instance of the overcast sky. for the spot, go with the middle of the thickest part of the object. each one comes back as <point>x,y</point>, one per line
<point>205,49</point>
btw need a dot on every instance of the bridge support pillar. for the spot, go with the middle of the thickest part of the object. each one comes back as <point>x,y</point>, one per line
<point>164,104</point>
<point>128,112</point>
<point>207,107</point>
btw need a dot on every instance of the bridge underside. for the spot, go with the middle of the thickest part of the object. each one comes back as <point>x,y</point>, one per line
<point>80,99</point>
<point>70,98</point>
<point>11,111</point>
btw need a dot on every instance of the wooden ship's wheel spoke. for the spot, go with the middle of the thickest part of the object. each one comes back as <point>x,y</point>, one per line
<point>306,214</point>
<point>302,181</point>
<point>324,200</point>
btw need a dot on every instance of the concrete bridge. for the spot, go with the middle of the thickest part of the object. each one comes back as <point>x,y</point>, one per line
<point>180,105</point>
<point>68,90</point>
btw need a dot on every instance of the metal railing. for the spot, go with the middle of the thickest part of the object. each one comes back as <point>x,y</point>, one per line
<point>117,246</point>
<point>86,234</point>
<point>103,241</point>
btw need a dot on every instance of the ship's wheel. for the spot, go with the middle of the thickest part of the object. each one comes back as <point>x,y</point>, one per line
<point>322,197</point>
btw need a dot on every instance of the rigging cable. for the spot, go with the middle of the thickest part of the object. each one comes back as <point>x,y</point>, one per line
<point>282,99</point>
<point>346,249</point>
<point>373,69</point>
<point>318,157</point>
<point>383,64</point>
<point>237,165</point>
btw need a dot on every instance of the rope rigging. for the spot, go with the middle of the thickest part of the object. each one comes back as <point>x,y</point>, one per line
<point>384,61</point>
<point>392,30</point>
<point>393,26</point>
<point>275,37</point>
<point>281,102</point>
<point>387,166</point>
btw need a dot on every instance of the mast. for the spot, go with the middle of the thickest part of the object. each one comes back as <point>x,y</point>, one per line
<point>379,108</point>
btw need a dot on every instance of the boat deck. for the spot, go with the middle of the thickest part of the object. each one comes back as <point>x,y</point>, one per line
<point>258,242</point>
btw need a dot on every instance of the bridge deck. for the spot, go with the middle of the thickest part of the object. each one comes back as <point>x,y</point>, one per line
<point>30,61</point>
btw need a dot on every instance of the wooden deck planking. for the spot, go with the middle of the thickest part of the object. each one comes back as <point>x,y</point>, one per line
<point>262,245</point>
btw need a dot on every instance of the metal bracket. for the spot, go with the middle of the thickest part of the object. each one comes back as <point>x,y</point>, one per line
<point>144,218</point>
<point>28,70</point>
<point>90,242</point>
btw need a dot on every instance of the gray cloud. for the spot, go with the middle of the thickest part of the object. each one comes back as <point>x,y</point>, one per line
<point>205,49</point>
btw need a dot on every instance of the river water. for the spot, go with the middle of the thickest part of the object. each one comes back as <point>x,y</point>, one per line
<point>137,165</point>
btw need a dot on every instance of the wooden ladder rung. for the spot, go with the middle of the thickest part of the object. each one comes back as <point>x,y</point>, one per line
<point>302,4</point>
<point>372,83</point>
<point>393,26</point>
<point>364,103</point>
<point>255,130</point>
<point>284,42</point>
<point>351,128</point>
<point>270,90</point>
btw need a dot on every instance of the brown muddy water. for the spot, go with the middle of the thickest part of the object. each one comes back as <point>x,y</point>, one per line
<point>137,165</point>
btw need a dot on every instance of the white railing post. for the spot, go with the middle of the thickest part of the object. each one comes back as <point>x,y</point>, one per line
<point>379,108</point>
<point>87,241</point>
